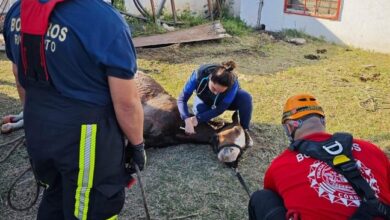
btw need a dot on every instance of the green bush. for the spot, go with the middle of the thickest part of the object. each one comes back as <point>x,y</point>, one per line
<point>235,26</point>
<point>187,18</point>
<point>119,4</point>
<point>143,28</point>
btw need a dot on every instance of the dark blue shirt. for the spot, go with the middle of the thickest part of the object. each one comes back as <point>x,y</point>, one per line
<point>86,41</point>
<point>221,101</point>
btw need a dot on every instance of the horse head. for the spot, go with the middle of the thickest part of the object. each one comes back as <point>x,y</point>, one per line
<point>229,141</point>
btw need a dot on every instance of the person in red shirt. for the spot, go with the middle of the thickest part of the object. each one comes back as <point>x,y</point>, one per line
<point>297,186</point>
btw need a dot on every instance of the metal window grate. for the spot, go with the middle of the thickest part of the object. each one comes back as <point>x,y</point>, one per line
<point>329,9</point>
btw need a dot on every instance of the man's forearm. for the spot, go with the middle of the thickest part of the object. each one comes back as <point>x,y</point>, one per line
<point>19,87</point>
<point>21,92</point>
<point>128,108</point>
<point>131,120</point>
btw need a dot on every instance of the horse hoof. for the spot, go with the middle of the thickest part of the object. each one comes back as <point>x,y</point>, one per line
<point>6,128</point>
<point>7,119</point>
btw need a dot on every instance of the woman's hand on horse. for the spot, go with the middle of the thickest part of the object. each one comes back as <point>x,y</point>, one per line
<point>189,129</point>
<point>194,121</point>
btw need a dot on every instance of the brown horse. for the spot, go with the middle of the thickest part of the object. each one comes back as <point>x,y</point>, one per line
<point>162,120</point>
<point>162,124</point>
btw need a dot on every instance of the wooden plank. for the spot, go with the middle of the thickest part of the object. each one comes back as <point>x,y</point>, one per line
<point>211,31</point>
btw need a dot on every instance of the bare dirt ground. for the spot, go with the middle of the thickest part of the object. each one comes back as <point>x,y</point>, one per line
<point>187,181</point>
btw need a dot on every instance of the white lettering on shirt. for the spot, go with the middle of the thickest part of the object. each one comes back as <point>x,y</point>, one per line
<point>54,32</point>
<point>301,157</point>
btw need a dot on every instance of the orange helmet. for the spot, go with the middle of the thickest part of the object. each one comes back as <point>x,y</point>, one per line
<point>301,105</point>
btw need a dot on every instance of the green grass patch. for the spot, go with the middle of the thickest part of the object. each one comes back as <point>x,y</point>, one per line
<point>235,26</point>
<point>188,18</point>
<point>120,5</point>
<point>351,84</point>
<point>143,28</point>
<point>292,33</point>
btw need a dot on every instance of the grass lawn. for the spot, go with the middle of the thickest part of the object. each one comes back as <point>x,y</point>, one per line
<point>186,181</point>
<point>352,85</point>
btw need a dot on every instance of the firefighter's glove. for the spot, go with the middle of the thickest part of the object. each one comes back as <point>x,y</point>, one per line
<point>135,154</point>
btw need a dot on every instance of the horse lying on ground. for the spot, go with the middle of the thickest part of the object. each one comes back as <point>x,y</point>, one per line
<point>162,123</point>
<point>162,120</point>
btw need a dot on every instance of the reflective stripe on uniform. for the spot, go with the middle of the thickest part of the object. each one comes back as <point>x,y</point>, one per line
<point>86,170</point>
<point>115,217</point>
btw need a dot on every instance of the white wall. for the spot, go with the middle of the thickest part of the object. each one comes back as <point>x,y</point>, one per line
<point>7,5</point>
<point>235,7</point>
<point>249,11</point>
<point>364,24</point>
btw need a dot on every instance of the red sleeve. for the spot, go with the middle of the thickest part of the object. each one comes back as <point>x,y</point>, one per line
<point>269,182</point>
<point>388,172</point>
<point>383,157</point>
<point>386,162</point>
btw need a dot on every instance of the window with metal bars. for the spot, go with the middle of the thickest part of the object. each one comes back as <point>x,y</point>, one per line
<point>329,9</point>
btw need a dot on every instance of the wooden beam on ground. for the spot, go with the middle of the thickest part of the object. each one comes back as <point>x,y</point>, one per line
<point>211,31</point>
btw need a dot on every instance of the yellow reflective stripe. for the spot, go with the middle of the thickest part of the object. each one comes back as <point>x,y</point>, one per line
<point>86,170</point>
<point>81,169</point>
<point>115,217</point>
<point>92,148</point>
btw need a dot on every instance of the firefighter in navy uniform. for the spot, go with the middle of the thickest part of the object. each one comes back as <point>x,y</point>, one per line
<point>322,176</point>
<point>75,61</point>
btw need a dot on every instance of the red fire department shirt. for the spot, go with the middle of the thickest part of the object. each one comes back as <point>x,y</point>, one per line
<point>312,189</point>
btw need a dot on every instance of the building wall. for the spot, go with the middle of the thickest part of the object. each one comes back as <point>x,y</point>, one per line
<point>235,7</point>
<point>7,5</point>
<point>249,11</point>
<point>363,24</point>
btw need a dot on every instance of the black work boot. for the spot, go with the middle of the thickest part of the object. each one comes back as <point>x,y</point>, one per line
<point>248,139</point>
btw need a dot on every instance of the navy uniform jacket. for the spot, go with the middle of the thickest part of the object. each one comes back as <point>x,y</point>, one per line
<point>198,82</point>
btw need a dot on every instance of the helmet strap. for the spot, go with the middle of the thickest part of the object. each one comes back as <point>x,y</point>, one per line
<point>295,126</point>
<point>323,121</point>
<point>290,138</point>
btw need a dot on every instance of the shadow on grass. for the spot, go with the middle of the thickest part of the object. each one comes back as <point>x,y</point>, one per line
<point>7,83</point>
<point>14,165</point>
<point>3,56</point>
<point>188,180</point>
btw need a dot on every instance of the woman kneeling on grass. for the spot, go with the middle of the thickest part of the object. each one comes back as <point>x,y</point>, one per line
<point>217,90</point>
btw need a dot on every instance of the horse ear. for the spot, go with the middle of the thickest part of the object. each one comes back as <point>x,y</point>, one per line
<point>237,129</point>
<point>235,118</point>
